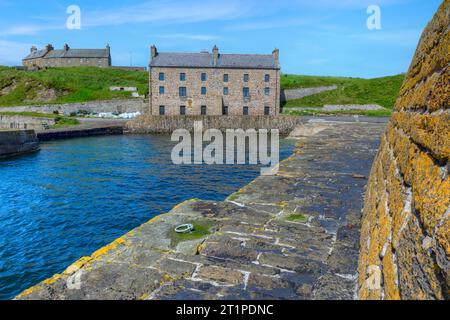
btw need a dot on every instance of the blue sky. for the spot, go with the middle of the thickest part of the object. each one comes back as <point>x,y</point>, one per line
<point>315,37</point>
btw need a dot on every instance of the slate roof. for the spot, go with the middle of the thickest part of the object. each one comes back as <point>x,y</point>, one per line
<point>36,54</point>
<point>71,53</point>
<point>205,60</point>
<point>78,53</point>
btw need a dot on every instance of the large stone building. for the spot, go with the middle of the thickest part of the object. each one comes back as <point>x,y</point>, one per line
<point>214,84</point>
<point>67,57</point>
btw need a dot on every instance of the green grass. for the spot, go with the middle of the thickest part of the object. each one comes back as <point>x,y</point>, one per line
<point>74,84</point>
<point>382,91</point>
<point>65,122</point>
<point>201,230</point>
<point>367,113</point>
<point>290,81</point>
<point>30,114</point>
<point>297,217</point>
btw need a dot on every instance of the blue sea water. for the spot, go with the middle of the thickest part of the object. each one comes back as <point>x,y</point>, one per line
<point>75,196</point>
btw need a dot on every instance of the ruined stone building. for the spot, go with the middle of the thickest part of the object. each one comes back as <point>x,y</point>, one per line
<point>214,84</point>
<point>67,57</point>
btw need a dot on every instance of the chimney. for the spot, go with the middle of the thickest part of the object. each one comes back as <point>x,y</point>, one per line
<point>33,49</point>
<point>215,56</point>
<point>66,47</point>
<point>108,48</point>
<point>49,47</point>
<point>153,52</point>
<point>276,55</point>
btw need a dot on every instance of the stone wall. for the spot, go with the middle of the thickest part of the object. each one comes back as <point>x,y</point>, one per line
<point>405,231</point>
<point>120,106</point>
<point>21,122</point>
<point>214,98</point>
<point>294,94</point>
<point>167,124</point>
<point>13,143</point>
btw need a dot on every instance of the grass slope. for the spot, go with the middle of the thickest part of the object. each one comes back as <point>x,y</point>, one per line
<point>64,85</point>
<point>381,91</point>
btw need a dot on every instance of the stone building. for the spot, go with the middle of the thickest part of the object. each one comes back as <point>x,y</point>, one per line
<point>214,84</point>
<point>67,57</point>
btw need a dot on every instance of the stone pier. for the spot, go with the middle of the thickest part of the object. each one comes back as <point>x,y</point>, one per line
<point>17,142</point>
<point>294,235</point>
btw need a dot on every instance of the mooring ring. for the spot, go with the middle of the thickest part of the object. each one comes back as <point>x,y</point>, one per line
<point>184,228</point>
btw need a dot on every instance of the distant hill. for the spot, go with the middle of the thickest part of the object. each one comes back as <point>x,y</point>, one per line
<point>64,85</point>
<point>382,91</point>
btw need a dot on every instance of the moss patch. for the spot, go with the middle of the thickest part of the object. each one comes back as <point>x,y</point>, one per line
<point>201,230</point>
<point>297,217</point>
<point>234,196</point>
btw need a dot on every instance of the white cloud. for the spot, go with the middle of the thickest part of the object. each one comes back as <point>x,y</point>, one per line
<point>12,53</point>
<point>28,30</point>
<point>168,11</point>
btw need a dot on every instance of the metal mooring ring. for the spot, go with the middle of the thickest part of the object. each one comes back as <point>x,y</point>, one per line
<point>184,228</point>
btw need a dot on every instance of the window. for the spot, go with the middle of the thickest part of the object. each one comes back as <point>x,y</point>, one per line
<point>267,91</point>
<point>246,77</point>
<point>162,110</point>
<point>225,91</point>
<point>267,78</point>
<point>266,110</point>
<point>183,92</point>
<point>161,76</point>
<point>225,78</point>
<point>246,92</point>
<point>225,110</point>
<point>183,110</point>
<point>161,90</point>
<point>203,110</point>
<point>245,111</point>
<point>203,90</point>
<point>182,76</point>
<point>203,76</point>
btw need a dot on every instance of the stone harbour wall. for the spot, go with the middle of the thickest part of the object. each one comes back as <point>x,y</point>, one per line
<point>293,235</point>
<point>22,122</point>
<point>119,106</point>
<point>405,231</point>
<point>167,124</point>
<point>17,142</point>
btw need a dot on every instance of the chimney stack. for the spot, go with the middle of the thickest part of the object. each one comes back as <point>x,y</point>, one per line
<point>49,47</point>
<point>66,47</point>
<point>276,55</point>
<point>153,52</point>
<point>33,49</point>
<point>215,56</point>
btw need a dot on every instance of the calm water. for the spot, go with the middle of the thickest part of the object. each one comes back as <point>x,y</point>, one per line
<point>75,196</point>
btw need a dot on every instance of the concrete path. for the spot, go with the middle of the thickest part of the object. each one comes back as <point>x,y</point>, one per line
<point>290,236</point>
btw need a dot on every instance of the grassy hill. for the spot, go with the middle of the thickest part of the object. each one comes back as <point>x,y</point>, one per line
<point>80,84</point>
<point>63,85</point>
<point>382,91</point>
